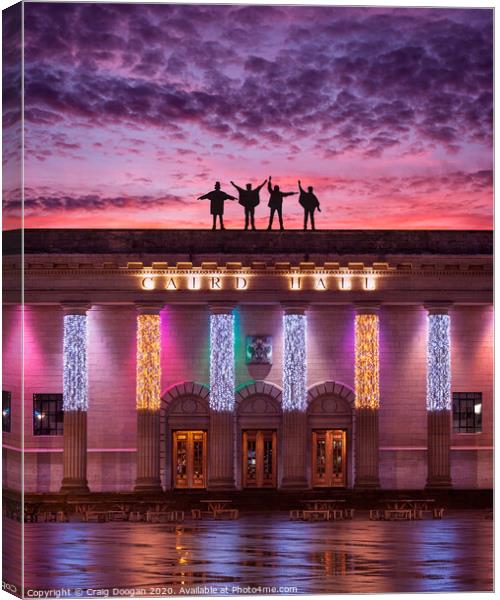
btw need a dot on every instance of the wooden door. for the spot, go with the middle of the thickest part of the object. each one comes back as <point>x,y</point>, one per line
<point>259,458</point>
<point>329,465</point>
<point>189,459</point>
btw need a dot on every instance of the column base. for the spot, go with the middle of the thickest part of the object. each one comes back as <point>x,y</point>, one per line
<point>74,486</point>
<point>438,450</point>
<point>147,485</point>
<point>148,451</point>
<point>221,451</point>
<point>221,484</point>
<point>294,449</point>
<point>367,449</point>
<point>439,484</point>
<point>74,478</point>
<point>294,484</point>
<point>371,484</point>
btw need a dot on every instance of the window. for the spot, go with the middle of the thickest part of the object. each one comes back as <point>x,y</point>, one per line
<point>6,409</point>
<point>48,414</point>
<point>467,412</point>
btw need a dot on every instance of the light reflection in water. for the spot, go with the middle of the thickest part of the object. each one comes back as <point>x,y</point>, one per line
<point>359,556</point>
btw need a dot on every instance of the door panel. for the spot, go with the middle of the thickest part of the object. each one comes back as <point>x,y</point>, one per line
<point>329,466</point>
<point>189,459</point>
<point>259,458</point>
<point>338,458</point>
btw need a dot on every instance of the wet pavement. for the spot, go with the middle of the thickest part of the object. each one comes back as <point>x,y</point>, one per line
<point>262,553</point>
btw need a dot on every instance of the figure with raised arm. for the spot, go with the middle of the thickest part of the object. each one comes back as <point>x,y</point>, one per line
<point>249,199</point>
<point>217,198</point>
<point>309,203</point>
<point>276,203</point>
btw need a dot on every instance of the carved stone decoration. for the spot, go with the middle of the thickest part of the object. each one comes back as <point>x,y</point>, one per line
<point>259,405</point>
<point>188,405</point>
<point>329,390</point>
<point>271,392</point>
<point>330,405</point>
<point>186,398</point>
<point>259,349</point>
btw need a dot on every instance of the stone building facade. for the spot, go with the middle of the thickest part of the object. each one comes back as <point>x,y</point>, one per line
<point>221,360</point>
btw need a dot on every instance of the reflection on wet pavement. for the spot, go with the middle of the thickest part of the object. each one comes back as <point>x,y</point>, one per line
<point>358,556</point>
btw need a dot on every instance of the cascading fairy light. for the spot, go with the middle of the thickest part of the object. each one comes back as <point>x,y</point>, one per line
<point>366,375</point>
<point>75,377</point>
<point>222,377</point>
<point>438,363</point>
<point>294,363</point>
<point>148,362</point>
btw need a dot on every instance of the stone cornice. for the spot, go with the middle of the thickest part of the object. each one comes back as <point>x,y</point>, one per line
<point>360,269</point>
<point>74,307</point>
<point>149,308</point>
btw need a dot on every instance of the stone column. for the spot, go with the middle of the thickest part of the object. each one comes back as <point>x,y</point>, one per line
<point>148,398</point>
<point>221,441</point>
<point>438,396</point>
<point>294,430</point>
<point>75,397</point>
<point>367,401</point>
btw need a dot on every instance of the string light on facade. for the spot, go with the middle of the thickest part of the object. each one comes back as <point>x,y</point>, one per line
<point>75,377</point>
<point>366,373</point>
<point>294,363</point>
<point>222,377</point>
<point>438,363</point>
<point>148,362</point>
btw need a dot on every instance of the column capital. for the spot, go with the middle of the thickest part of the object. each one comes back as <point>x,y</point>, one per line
<point>149,308</point>
<point>294,308</point>
<point>367,308</point>
<point>437,307</point>
<point>222,307</point>
<point>77,307</point>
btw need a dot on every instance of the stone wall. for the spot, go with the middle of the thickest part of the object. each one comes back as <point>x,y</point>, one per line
<point>192,242</point>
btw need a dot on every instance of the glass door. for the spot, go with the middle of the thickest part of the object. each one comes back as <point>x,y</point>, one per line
<point>329,468</point>
<point>259,458</point>
<point>189,459</point>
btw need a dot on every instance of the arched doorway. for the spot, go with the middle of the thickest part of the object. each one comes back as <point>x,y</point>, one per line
<point>258,435</point>
<point>184,431</point>
<point>330,422</point>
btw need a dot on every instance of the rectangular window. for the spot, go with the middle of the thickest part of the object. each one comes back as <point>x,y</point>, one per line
<point>48,415</point>
<point>6,411</point>
<point>467,412</point>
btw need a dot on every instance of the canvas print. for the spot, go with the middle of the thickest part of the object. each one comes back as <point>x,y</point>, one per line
<point>247,299</point>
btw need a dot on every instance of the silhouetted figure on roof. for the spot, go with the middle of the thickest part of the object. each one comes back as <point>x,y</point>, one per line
<point>276,203</point>
<point>249,199</point>
<point>309,203</point>
<point>217,198</point>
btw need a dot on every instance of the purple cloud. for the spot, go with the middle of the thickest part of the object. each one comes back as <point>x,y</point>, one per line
<point>127,95</point>
<point>364,79</point>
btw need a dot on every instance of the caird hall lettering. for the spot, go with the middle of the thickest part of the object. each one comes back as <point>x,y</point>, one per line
<point>239,282</point>
<point>212,282</point>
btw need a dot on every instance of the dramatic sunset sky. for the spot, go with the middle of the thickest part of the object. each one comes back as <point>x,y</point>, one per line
<point>134,111</point>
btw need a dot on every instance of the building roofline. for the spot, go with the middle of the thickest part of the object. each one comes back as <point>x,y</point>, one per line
<point>192,242</point>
